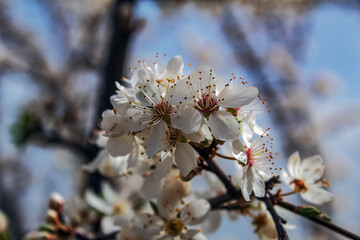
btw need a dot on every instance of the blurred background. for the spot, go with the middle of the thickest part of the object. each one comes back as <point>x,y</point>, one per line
<point>59,60</point>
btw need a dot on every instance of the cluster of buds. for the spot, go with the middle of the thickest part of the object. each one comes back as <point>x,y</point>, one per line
<point>54,227</point>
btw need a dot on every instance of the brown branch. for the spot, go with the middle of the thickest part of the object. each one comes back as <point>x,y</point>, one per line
<point>282,235</point>
<point>111,236</point>
<point>318,220</point>
<point>207,155</point>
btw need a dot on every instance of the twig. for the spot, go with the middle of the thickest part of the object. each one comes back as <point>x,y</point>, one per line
<point>221,175</point>
<point>268,200</point>
<point>282,235</point>
<point>318,220</point>
<point>207,155</point>
<point>111,236</point>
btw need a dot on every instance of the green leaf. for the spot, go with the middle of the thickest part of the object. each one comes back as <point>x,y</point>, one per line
<point>46,228</point>
<point>22,128</point>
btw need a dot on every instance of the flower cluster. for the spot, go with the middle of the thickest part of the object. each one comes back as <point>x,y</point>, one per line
<point>165,128</point>
<point>164,114</point>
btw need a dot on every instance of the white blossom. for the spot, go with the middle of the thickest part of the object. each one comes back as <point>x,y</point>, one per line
<point>209,95</point>
<point>116,206</point>
<point>256,160</point>
<point>158,108</point>
<point>303,177</point>
<point>173,222</point>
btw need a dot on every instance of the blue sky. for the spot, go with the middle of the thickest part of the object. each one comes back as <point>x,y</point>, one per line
<point>333,46</point>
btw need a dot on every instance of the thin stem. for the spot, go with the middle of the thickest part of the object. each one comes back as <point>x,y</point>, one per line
<point>318,220</point>
<point>225,157</point>
<point>288,194</point>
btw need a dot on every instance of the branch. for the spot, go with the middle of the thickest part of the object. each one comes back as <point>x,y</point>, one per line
<point>277,219</point>
<point>111,236</point>
<point>207,155</point>
<point>231,189</point>
<point>318,220</point>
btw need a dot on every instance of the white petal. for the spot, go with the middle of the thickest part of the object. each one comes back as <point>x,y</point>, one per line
<point>246,183</point>
<point>312,168</point>
<point>158,138</point>
<point>108,225</point>
<point>168,203</point>
<point>223,126</point>
<point>150,187</point>
<point>195,137</point>
<point>212,222</point>
<point>101,140</point>
<point>163,167</point>
<point>238,151</point>
<point>258,184</point>
<point>185,158</point>
<point>173,68</point>
<point>127,233</point>
<point>201,77</point>
<point>192,234</point>
<point>112,123</point>
<point>239,97</point>
<point>95,164</point>
<point>136,120</point>
<point>120,103</point>
<point>140,76</point>
<point>206,131</point>
<point>109,194</point>
<point>252,123</point>
<point>147,225</point>
<point>246,133</point>
<point>181,92</point>
<point>317,195</point>
<point>195,212</point>
<point>113,166</point>
<point>286,178</point>
<point>294,165</point>
<point>97,203</point>
<point>120,146</point>
<point>134,155</point>
<point>187,119</point>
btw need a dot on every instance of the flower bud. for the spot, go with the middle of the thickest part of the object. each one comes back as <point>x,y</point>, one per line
<point>265,227</point>
<point>174,183</point>
<point>56,202</point>
<point>36,236</point>
<point>52,217</point>
<point>310,211</point>
<point>3,222</point>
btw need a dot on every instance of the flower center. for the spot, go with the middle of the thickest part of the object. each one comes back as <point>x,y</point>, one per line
<point>175,136</point>
<point>249,156</point>
<point>118,209</point>
<point>299,185</point>
<point>162,112</point>
<point>207,104</point>
<point>174,226</point>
